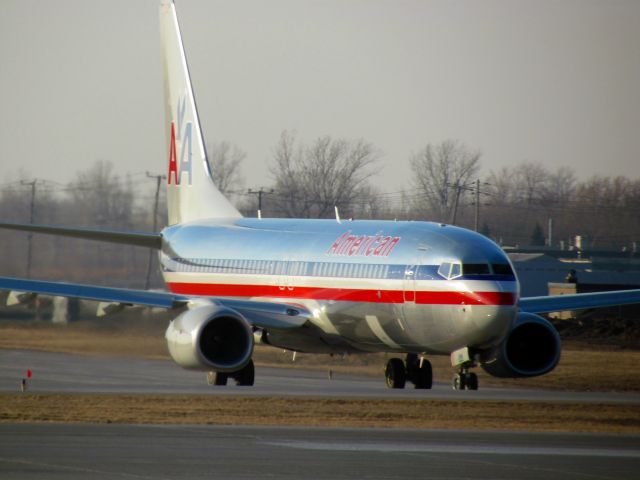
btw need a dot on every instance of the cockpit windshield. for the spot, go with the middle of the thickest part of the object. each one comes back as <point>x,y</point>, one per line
<point>451,270</point>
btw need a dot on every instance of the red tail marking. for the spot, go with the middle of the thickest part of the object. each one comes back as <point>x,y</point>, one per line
<point>173,163</point>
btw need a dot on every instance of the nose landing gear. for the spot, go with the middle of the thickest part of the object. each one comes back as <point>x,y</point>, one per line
<point>414,369</point>
<point>464,379</point>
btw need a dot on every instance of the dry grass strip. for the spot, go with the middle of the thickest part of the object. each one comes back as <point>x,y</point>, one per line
<point>229,410</point>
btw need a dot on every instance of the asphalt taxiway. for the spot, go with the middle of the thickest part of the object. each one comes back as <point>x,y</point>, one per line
<point>65,373</point>
<point>105,451</point>
<point>163,452</point>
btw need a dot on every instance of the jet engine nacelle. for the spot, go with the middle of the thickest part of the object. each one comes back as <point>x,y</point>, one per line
<point>531,348</point>
<point>210,338</point>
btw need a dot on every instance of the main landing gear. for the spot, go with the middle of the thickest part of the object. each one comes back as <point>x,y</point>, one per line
<point>244,377</point>
<point>415,370</point>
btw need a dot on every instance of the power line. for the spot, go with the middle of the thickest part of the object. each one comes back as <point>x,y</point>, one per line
<point>260,193</point>
<point>32,210</point>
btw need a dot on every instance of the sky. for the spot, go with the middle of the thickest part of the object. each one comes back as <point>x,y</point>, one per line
<point>553,82</point>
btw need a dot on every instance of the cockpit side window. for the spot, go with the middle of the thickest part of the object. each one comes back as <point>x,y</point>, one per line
<point>445,268</point>
<point>450,270</point>
<point>475,268</point>
<point>455,270</point>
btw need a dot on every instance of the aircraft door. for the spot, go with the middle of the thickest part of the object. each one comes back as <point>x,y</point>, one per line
<point>409,308</point>
<point>411,278</point>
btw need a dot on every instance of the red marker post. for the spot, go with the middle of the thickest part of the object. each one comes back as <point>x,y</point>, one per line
<point>23,382</point>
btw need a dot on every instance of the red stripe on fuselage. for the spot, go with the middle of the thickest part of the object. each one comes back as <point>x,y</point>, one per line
<point>343,294</point>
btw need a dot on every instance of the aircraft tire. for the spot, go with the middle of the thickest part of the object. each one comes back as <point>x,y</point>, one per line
<point>221,379</point>
<point>246,376</point>
<point>395,373</point>
<point>471,381</point>
<point>458,382</point>
<point>423,377</point>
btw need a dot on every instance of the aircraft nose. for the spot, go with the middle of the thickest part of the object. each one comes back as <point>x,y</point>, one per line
<point>493,321</point>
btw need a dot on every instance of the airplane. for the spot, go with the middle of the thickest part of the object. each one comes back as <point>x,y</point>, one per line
<point>410,288</point>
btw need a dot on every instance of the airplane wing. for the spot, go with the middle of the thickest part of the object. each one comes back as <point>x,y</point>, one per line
<point>260,314</point>
<point>578,301</point>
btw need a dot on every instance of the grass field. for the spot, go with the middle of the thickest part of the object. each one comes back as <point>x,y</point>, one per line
<point>230,410</point>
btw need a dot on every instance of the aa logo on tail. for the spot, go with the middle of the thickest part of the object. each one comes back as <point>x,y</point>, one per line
<point>184,135</point>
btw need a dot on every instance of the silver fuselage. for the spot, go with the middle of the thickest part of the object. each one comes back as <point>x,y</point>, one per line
<point>370,285</point>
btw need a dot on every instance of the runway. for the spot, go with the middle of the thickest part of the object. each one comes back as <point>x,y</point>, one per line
<point>64,373</point>
<point>175,452</point>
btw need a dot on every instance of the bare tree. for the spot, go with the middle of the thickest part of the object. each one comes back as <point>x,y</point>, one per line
<point>606,210</point>
<point>226,163</point>
<point>560,186</point>
<point>439,171</point>
<point>101,197</point>
<point>531,182</point>
<point>311,180</point>
<point>502,186</point>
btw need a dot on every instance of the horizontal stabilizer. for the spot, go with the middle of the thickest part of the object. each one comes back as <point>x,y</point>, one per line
<point>150,240</point>
<point>578,301</point>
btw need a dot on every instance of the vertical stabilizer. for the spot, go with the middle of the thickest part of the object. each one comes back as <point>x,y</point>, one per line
<point>191,193</point>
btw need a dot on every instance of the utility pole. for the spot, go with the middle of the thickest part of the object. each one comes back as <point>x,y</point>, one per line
<point>31,219</point>
<point>455,205</point>
<point>458,188</point>
<point>159,179</point>
<point>469,187</point>
<point>260,193</point>
<point>477,221</point>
